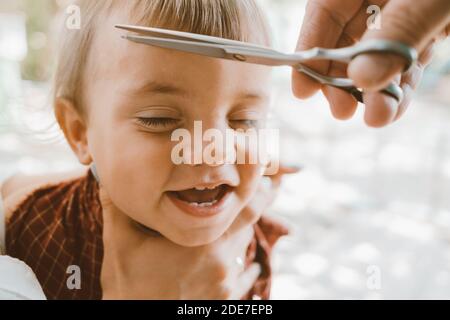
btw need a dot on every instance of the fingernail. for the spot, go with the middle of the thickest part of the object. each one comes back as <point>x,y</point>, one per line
<point>408,94</point>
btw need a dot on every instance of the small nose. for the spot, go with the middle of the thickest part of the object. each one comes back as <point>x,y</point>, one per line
<point>209,144</point>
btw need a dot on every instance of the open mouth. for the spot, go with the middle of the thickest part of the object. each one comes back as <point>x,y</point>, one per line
<point>203,197</point>
<point>201,200</point>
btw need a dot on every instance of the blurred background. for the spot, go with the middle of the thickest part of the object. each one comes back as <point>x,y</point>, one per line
<point>370,212</point>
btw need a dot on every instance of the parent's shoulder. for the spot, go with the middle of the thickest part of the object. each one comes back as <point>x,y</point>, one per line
<point>16,188</point>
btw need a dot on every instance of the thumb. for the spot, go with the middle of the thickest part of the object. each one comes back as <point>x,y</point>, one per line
<point>414,23</point>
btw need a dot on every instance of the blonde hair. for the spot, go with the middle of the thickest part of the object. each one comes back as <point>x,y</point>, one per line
<point>232,19</point>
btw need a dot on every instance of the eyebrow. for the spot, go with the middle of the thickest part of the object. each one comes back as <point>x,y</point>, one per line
<point>163,88</point>
<point>156,87</point>
<point>252,96</point>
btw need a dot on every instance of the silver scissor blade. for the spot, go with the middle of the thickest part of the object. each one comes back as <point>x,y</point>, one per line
<point>180,35</point>
<point>249,55</point>
<point>267,57</point>
<point>205,49</point>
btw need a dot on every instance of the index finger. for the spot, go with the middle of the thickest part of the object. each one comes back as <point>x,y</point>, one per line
<point>324,23</point>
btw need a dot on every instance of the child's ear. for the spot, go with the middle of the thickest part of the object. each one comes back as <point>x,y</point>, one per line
<point>74,126</point>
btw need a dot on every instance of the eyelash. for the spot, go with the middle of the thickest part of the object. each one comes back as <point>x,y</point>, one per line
<point>157,122</point>
<point>248,123</point>
<point>169,122</point>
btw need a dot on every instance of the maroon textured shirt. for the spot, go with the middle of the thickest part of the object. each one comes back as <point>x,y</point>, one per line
<point>61,225</point>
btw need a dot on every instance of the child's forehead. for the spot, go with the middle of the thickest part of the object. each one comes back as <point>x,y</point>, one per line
<point>109,43</point>
<point>114,57</point>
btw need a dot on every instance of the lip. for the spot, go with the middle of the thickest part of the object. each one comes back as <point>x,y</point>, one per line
<point>209,185</point>
<point>201,212</point>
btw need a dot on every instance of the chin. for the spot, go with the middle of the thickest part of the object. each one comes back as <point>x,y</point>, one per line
<point>198,238</point>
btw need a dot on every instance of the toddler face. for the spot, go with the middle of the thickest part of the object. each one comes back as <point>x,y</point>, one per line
<point>137,95</point>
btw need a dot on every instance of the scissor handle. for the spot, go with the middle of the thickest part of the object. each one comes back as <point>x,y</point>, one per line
<point>387,46</point>
<point>391,90</point>
<point>346,54</point>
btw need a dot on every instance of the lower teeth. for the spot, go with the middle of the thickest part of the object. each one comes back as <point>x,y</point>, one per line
<point>202,204</point>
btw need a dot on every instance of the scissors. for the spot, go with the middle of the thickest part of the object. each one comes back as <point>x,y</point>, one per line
<point>252,53</point>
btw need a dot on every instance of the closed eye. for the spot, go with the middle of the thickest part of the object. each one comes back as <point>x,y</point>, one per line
<point>158,123</point>
<point>244,123</point>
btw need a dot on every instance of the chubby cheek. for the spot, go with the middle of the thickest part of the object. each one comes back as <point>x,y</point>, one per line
<point>134,167</point>
<point>250,173</point>
<point>250,176</point>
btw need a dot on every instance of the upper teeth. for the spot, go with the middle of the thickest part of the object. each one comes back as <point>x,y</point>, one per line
<point>203,188</point>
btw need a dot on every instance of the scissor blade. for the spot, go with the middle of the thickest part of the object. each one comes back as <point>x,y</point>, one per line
<point>180,35</point>
<point>268,57</point>
<point>257,56</point>
<point>205,49</point>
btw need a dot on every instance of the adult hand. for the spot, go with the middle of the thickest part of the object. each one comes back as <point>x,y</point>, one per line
<point>139,264</point>
<point>339,23</point>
